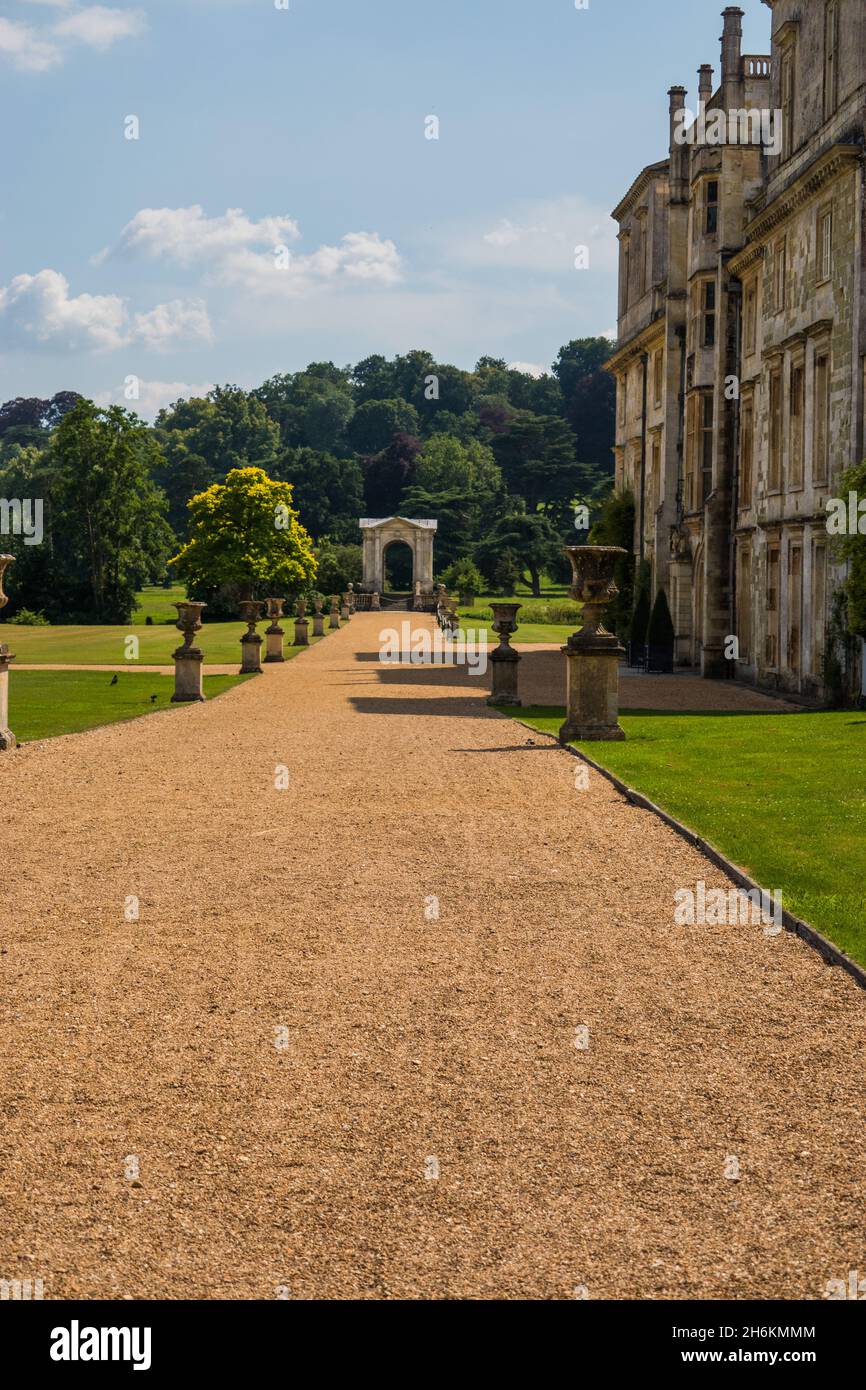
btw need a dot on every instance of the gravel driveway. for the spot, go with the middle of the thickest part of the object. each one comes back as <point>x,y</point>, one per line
<point>337,1054</point>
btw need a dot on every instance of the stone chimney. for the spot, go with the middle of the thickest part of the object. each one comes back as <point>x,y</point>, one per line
<point>679,152</point>
<point>705,83</point>
<point>732,53</point>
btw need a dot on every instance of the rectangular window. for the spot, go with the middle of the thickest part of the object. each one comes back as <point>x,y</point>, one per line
<point>709,313</point>
<point>750,316</point>
<point>744,602</point>
<point>819,604</point>
<point>821,434</point>
<point>621,388</point>
<point>654,491</point>
<point>831,59</point>
<point>780,274</point>
<point>825,244</point>
<point>795,607</point>
<point>787,91</point>
<point>711,207</point>
<point>797,430</point>
<point>658,376</point>
<point>747,450</point>
<point>774,477</point>
<point>692,407</point>
<point>626,273</point>
<point>707,447</point>
<point>771,651</point>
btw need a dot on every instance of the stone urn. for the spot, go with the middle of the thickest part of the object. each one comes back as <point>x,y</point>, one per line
<point>251,642</point>
<point>189,621</point>
<point>504,659</point>
<point>301,624</point>
<point>5,562</point>
<point>274,634</point>
<point>593,585</point>
<point>7,738</point>
<point>593,654</point>
<point>318,619</point>
<point>188,658</point>
<point>334,614</point>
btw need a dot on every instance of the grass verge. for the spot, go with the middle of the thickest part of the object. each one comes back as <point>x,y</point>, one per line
<point>781,795</point>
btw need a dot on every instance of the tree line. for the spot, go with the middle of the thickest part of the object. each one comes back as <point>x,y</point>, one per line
<point>498,456</point>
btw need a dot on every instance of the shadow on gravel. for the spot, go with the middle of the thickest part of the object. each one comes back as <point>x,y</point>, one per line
<point>448,705</point>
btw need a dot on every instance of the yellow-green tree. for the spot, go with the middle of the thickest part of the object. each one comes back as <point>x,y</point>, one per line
<point>245,532</point>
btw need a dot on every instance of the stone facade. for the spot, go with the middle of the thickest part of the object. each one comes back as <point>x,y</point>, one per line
<point>742,345</point>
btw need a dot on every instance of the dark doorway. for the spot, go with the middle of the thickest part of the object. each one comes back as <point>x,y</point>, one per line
<point>398,568</point>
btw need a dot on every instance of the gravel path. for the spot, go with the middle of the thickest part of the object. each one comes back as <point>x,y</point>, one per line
<point>406,1039</point>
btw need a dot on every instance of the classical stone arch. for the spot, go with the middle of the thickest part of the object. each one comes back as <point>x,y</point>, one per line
<point>377,535</point>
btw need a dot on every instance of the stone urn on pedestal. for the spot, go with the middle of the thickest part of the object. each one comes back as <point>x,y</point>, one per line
<point>7,738</point>
<point>188,659</point>
<point>345,610</point>
<point>351,598</point>
<point>504,658</point>
<point>593,654</point>
<point>274,634</point>
<point>375,603</point>
<point>318,620</point>
<point>301,624</point>
<point>334,613</point>
<point>251,642</point>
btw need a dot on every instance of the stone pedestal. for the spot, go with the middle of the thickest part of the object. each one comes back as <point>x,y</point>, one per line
<point>351,599</point>
<point>318,620</point>
<point>593,654</point>
<point>188,659</point>
<point>504,659</point>
<point>345,612</point>
<point>251,642</point>
<point>274,634</point>
<point>7,738</point>
<point>334,615</point>
<point>188,676</point>
<point>376,603</point>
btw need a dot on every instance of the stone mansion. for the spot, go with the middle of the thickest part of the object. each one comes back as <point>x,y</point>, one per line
<point>741,355</point>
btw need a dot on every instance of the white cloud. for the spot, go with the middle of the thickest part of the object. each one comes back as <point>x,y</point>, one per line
<point>153,396</point>
<point>99,27</point>
<point>536,369</point>
<point>38,309</point>
<point>26,48</point>
<point>37,50</point>
<point>542,238</point>
<point>180,321</point>
<point>235,250</point>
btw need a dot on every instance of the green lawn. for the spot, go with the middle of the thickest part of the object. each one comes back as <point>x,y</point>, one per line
<point>782,795</point>
<point>157,604</point>
<point>43,704</point>
<point>107,646</point>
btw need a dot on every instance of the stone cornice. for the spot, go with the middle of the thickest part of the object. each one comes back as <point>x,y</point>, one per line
<point>641,183</point>
<point>636,346</point>
<point>804,188</point>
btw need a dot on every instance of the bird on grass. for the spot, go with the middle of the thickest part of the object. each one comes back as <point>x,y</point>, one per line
<point>153,699</point>
<point>113,680</point>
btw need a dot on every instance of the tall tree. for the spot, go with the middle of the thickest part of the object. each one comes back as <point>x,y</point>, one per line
<point>246,532</point>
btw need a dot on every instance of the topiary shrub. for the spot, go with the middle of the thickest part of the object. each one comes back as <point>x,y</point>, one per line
<point>660,636</point>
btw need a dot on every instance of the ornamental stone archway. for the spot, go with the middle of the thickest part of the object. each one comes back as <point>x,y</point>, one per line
<point>378,533</point>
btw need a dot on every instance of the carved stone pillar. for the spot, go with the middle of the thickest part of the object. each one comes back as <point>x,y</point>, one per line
<point>274,634</point>
<point>251,642</point>
<point>593,654</point>
<point>504,659</point>
<point>302,625</point>
<point>188,659</point>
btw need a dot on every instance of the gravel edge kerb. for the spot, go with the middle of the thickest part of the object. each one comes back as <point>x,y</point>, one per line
<point>830,953</point>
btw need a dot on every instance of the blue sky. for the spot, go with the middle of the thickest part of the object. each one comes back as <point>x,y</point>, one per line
<point>304,129</point>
